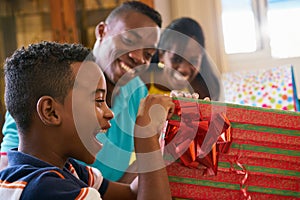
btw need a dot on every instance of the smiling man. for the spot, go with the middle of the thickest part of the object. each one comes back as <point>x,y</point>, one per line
<point>125,44</point>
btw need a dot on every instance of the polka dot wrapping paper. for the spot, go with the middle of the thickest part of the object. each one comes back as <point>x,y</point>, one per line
<point>268,88</point>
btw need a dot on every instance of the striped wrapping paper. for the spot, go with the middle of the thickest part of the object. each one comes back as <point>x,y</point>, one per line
<point>265,153</point>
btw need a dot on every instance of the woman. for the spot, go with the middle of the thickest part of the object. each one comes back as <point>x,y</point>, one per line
<point>181,62</point>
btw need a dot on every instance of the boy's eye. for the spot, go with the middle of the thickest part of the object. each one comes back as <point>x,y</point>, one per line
<point>100,101</point>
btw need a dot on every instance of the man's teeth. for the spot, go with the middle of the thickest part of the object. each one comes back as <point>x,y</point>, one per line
<point>103,131</point>
<point>127,69</point>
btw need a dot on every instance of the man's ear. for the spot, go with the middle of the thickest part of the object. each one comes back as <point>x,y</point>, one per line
<point>47,109</point>
<point>100,30</point>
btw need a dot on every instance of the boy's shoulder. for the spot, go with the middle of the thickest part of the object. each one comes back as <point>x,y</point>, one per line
<point>26,180</point>
<point>37,181</point>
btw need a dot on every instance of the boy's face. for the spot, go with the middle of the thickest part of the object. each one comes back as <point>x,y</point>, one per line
<point>86,113</point>
<point>128,44</point>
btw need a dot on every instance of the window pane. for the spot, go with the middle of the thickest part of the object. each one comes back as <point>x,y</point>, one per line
<point>238,26</point>
<point>284,29</point>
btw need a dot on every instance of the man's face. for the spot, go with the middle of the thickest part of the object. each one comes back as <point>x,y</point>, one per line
<point>86,112</point>
<point>127,46</point>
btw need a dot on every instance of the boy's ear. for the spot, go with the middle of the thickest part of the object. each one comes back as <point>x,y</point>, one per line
<point>100,30</point>
<point>47,109</point>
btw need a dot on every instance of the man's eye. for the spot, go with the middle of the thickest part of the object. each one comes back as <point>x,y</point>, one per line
<point>127,40</point>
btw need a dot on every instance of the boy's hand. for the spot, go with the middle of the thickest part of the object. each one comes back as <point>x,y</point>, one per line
<point>153,112</point>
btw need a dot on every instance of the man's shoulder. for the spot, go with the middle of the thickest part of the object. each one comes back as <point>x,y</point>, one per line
<point>130,95</point>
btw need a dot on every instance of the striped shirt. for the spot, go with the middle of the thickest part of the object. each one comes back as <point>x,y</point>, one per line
<point>27,177</point>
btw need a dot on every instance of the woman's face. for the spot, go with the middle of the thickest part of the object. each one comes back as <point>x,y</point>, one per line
<point>182,65</point>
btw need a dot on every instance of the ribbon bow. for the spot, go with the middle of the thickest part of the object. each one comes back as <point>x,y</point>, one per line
<point>195,140</point>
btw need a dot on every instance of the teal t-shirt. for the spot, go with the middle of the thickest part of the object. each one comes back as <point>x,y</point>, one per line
<point>10,133</point>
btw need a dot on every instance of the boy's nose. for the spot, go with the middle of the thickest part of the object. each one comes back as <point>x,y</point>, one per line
<point>108,114</point>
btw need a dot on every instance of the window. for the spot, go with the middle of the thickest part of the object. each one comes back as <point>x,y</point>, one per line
<point>284,30</point>
<point>262,25</point>
<point>238,26</point>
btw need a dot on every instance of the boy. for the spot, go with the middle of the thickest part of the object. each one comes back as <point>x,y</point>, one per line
<point>130,33</point>
<point>56,94</point>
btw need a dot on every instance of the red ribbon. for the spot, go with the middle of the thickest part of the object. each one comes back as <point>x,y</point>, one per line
<point>241,171</point>
<point>195,140</point>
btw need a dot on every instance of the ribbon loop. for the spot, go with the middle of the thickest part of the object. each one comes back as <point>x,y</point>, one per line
<point>195,140</point>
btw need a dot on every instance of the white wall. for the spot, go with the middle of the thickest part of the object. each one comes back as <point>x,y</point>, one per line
<point>164,8</point>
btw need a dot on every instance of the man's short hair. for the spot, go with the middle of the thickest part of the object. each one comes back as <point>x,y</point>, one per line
<point>38,70</point>
<point>137,7</point>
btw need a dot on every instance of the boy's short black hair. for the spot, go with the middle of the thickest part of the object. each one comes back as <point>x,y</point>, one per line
<point>137,7</point>
<point>38,70</point>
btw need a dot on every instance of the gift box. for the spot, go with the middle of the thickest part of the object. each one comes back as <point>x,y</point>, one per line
<point>263,161</point>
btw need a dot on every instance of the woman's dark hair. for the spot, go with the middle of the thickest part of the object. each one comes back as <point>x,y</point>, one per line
<point>187,26</point>
<point>178,32</point>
